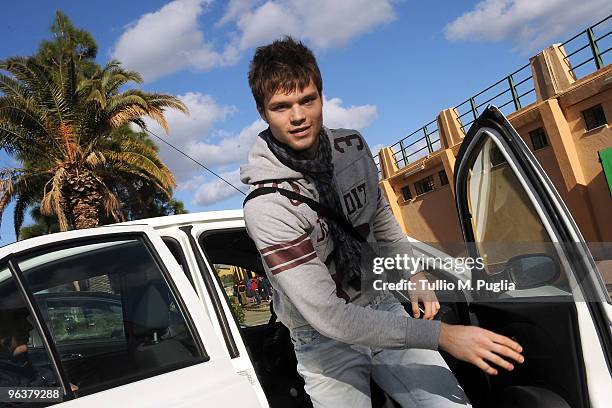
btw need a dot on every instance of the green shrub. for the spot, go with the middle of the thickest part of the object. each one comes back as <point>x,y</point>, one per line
<point>237,308</point>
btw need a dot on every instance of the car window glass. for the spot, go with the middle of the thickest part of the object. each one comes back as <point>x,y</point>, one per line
<point>111,313</point>
<point>85,319</point>
<point>249,294</point>
<point>24,362</point>
<point>178,254</point>
<point>602,255</point>
<point>238,266</point>
<point>506,225</point>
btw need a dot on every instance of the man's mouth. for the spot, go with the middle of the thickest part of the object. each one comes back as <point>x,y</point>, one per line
<point>300,131</point>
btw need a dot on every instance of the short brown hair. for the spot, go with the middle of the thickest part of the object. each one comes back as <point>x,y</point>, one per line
<point>286,65</point>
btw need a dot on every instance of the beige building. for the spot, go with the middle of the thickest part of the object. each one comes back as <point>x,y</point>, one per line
<point>566,126</point>
<point>237,273</point>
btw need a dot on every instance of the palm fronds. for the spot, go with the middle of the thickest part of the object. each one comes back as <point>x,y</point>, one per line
<point>61,125</point>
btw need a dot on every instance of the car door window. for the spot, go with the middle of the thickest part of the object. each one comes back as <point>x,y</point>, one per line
<point>23,361</point>
<point>506,226</point>
<point>237,264</point>
<point>177,252</point>
<point>248,293</point>
<point>111,311</point>
<point>74,319</point>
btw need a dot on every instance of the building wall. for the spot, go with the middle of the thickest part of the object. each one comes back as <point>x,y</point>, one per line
<point>570,159</point>
<point>588,143</point>
<point>432,217</point>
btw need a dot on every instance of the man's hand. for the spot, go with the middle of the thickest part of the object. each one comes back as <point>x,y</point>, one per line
<point>480,347</point>
<point>424,295</point>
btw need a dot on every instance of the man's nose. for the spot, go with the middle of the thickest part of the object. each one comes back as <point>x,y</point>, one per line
<point>297,115</point>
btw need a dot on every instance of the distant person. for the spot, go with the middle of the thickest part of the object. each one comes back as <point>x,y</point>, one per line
<point>16,370</point>
<point>236,293</point>
<point>255,291</point>
<point>264,283</point>
<point>259,287</point>
<point>242,291</point>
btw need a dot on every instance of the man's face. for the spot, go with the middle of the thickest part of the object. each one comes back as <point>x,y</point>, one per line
<point>295,119</point>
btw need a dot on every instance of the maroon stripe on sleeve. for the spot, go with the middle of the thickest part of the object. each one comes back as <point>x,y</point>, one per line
<point>284,255</point>
<point>294,263</point>
<point>274,247</point>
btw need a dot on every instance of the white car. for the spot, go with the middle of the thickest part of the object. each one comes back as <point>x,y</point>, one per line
<point>135,314</point>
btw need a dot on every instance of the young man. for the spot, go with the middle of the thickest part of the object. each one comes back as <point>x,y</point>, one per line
<point>341,336</point>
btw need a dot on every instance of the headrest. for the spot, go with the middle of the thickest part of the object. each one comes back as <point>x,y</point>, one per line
<point>151,313</point>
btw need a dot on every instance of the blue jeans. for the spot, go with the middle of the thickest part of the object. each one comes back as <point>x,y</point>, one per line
<point>338,374</point>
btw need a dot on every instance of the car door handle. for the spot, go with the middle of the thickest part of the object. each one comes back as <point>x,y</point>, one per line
<point>72,355</point>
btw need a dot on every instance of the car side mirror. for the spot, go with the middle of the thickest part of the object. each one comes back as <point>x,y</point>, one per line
<point>532,270</point>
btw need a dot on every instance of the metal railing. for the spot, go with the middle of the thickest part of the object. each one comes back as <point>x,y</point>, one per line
<point>510,93</point>
<point>585,47</point>
<point>417,143</point>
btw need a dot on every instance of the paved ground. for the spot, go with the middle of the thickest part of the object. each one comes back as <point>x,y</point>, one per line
<point>256,315</point>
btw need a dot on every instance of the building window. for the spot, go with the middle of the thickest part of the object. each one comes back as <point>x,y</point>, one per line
<point>443,177</point>
<point>424,185</point>
<point>538,138</point>
<point>406,193</point>
<point>594,117</point>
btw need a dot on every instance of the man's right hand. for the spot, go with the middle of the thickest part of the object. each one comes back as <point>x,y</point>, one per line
<point>480,347</point>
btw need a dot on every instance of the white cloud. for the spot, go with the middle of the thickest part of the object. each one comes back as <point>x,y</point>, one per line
<point>229,148</point>
<point>376,148</point>
<point>235,9</point>
<point>203,113</point>
<point>322,22</point>
<point>187,131</point>
<point>352,117</point>
<point>191,184</point>
<point>267,23</point>
<point>530,24</point>
<point>217,190</point>
<point>169,40</point>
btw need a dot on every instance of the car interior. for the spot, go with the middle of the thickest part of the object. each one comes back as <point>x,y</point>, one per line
<point>551,376</point>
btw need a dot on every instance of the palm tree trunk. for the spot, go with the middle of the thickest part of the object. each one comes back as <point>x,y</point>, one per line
<point>85,211</point>
<point>84,198</point>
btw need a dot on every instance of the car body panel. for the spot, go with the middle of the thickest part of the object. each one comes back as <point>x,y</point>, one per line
<point>179,388</point>
<point>181,227</point>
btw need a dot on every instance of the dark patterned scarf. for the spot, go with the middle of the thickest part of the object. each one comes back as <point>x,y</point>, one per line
<point>347,252</point>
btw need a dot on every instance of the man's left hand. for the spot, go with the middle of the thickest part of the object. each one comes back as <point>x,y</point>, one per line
<point>424,295</point>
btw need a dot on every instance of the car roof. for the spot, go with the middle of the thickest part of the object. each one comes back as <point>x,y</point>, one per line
<point>190,218</point>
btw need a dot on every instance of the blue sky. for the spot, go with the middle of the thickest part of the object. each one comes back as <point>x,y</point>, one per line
<point>389,66</point>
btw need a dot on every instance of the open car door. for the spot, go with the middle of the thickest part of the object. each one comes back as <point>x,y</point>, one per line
<point>539,284</point>
<point>106,317</point>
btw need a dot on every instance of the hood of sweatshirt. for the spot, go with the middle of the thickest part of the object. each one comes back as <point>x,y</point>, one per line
<point>263,165</point>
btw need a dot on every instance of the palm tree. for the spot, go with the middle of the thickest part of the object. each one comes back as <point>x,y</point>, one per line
<point>59,127</point>
<point>68,42</point>
<point>42,225</point>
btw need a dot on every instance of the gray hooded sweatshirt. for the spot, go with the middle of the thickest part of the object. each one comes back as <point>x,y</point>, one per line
<point>296,247</point>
